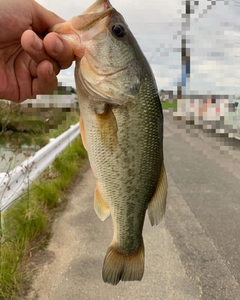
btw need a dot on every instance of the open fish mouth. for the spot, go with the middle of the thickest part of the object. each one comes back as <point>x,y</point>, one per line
<point>98,7</point>
<point>84,23</point>
<point>98,11</point>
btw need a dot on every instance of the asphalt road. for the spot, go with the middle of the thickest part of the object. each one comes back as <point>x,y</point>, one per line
<point>193,254</point>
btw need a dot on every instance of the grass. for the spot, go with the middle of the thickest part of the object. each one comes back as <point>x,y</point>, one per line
<point>27,224</point>
<point>169,105</point>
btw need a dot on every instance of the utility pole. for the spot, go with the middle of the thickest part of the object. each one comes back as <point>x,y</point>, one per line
<point>185,51</point>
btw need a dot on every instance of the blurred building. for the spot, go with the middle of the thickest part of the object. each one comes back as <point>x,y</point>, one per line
<point>166,95</point>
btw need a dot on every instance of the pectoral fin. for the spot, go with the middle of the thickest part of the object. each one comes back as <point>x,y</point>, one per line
<point>157,205</point>
<point>107,123</point>
<point>101,209</point>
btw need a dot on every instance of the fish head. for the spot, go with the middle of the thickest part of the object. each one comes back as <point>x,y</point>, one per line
<point>107,54</point>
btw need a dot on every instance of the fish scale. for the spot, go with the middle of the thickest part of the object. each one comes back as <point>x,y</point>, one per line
<point>118,188</point>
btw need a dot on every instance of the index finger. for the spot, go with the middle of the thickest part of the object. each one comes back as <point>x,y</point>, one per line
<point>60,50</point>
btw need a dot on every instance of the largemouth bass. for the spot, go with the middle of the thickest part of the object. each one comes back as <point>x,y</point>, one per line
<point>122,130</point>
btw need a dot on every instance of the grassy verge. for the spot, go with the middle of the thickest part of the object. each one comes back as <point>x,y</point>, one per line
<point>169,105</point>
<point>27,224</point>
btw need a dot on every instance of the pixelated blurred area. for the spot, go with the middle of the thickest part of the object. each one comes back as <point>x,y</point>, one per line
<point>28,126</point>
<point>39,115</point>
<point>219,113</point>
<point>204,91</point>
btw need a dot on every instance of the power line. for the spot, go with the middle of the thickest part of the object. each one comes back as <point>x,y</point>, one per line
<point>203,13</point>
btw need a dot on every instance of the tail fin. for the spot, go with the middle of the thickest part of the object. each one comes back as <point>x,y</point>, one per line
<point>118,266</point>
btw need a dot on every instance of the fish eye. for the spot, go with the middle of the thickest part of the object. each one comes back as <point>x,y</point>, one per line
<point>118,30</point>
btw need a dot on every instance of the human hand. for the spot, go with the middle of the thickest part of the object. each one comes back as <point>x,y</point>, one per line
<point>29,62</point>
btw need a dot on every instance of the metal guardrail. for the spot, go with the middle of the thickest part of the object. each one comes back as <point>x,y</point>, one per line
<point>16,182</point>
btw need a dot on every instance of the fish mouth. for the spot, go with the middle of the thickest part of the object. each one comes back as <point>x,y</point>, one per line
<point>95,13</point>
<point>82,28</point>
<point>98,7</point>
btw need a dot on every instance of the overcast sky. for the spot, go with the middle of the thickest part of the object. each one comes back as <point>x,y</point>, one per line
<point>214,40</point>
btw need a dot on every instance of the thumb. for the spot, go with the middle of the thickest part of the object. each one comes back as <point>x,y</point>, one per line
<point>43,19</point>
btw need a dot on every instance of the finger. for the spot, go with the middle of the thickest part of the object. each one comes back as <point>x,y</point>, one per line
<point>33,45</point>
<point>59,50</point>
<point>46,81</point>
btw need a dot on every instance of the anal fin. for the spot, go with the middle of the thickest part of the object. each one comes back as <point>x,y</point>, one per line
<point>157,205</point>
<point>101,209</point>
<point>82,131</point>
